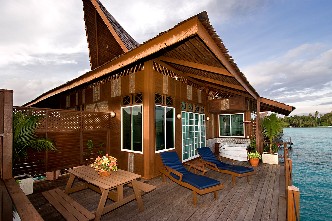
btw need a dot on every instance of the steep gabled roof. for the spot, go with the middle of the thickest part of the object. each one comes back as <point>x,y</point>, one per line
<point>191,49</point>
<point>128,41</point>
<point>106,37</point>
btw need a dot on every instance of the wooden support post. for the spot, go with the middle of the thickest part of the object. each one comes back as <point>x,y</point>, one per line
<point>288,173</point>
<point>259,137</point>
<point>46,136</point>
<point>148,120</point>
<point>285,152</point>
<point>293,203</point>
<point>108,141</point>
<point>81,139</point>
<point>6,130</point>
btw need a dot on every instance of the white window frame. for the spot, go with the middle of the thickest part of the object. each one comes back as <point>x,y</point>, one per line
<point>131,126</point>
<point>200,143</point>
<point>244,128</point>
<point>159,151</point>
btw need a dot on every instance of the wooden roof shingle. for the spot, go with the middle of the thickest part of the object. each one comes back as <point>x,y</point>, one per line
<point>106,38</point>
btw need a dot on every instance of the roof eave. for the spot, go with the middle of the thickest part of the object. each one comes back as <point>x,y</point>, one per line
<point>285,109</point>
<point>173,36</point>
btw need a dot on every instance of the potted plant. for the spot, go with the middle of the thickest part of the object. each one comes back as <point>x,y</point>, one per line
<point>254,158</point>
<point>272,128</point>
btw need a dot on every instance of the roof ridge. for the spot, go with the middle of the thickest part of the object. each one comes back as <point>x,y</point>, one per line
<point>126,38</point>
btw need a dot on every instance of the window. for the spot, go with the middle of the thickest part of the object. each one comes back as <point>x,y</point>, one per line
<point>165,128</point>
<point>132,129</point>
<point>138,98</point>
<point>231,125</point>
<point>193,134</point>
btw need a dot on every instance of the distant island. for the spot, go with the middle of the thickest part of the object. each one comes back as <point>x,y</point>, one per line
<point>311,120</point>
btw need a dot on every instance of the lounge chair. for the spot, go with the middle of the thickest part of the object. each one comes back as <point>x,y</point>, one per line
<point>175,171</point>
<point>211,161</point>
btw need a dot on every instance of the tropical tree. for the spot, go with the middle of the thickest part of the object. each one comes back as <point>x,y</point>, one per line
<point>24,127</point>
<point>272,127</point>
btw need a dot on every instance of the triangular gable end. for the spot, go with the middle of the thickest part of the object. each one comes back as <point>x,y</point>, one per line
<point>106,38</point>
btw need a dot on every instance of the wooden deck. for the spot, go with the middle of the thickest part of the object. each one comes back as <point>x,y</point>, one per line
<point>261,199</point>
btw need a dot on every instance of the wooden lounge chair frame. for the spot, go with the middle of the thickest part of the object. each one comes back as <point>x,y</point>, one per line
<point>167,172</point>
<point>214,167</point>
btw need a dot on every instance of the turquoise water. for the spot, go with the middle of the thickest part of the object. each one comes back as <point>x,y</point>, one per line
<point>312,171</point>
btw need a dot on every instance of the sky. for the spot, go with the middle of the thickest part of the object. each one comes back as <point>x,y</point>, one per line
<point>284,47</point>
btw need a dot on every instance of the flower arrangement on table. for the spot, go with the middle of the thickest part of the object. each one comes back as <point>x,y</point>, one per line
<point>105,164</point>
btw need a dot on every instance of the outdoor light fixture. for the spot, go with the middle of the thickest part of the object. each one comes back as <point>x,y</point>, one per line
<point>207,118</point>
<point>178,116</point>
<point>112,113</point>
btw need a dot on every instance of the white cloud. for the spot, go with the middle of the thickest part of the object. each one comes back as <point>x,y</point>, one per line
<point>37,27</point>
<point>301,77</point>
<point>43,44</point>
<point>145,19</point>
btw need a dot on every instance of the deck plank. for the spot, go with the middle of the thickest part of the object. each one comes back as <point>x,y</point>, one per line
<point>169,201</point>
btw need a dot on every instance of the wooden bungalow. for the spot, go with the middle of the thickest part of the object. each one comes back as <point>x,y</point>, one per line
<point>179,90</point>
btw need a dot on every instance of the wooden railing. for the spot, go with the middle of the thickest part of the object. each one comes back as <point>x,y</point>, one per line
<point>293,203</point>
<point>292,192</point>
<point>13,199</point>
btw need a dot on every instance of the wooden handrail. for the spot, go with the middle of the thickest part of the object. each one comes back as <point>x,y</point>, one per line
<point>293,203</point>
<point>24,207</point>
<point>288,173</point>
<point>285,151</point>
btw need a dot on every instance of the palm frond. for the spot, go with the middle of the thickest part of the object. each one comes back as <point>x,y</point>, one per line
<point>24,127</point>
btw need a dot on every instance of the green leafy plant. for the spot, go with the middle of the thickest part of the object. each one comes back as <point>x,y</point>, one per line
<point>24,127</point>
<point>92,151</point>
<point>254,155</point>
<point>252,145</point>
<point>272,127</point>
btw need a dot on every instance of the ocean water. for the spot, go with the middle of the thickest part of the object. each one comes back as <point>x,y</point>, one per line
<point>312,171</point>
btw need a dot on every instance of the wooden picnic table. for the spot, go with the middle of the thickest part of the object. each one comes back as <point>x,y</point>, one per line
<point>109,187</point>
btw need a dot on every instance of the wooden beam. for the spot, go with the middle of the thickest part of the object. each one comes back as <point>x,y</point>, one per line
<point>221,83</point>
<point>185,75</point>
<point>194,65</point>
<point>109,25</point>
<point>208,40</point>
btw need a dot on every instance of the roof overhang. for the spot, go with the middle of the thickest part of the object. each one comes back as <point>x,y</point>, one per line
<point>274,106</point>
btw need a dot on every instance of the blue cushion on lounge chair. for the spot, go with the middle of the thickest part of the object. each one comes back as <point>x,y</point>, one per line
<point>201,182</point>
<point>207,155</point>
<point>172,160</point>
